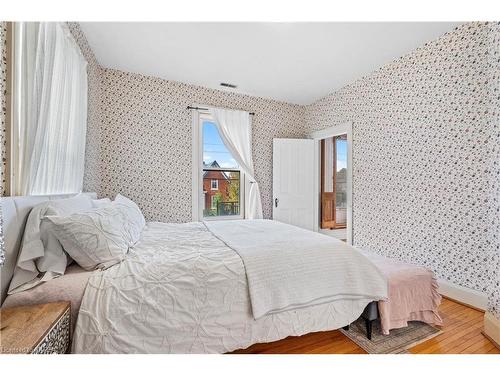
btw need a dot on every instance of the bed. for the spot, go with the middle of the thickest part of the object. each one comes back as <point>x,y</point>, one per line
<point>206,287</point>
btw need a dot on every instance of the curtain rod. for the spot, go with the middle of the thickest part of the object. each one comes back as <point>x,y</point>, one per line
<point>206,109</point>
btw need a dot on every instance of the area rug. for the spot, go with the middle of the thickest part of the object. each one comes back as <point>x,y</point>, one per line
<point>398,341</point>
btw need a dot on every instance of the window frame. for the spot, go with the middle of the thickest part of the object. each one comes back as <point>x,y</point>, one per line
<point>198,117</point>
<point>212,184</point>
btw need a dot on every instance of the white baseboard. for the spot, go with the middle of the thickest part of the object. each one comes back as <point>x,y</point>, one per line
<point>492,328</point>
<point>459,293</point>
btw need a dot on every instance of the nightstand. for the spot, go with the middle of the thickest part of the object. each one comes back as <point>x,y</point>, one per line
<point>37,329</point>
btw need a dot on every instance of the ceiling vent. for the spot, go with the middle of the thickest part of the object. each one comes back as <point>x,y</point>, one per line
<point>229,85</point>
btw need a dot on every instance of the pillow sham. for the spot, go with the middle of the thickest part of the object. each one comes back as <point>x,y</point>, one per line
<point>100,202</point>
<point>94,239</point>
<point>135,222</point>
<point>41,257</point>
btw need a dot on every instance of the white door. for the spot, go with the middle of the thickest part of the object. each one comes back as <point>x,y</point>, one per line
<point>294,185</point>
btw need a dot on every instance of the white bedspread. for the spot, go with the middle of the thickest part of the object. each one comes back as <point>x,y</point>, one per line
<point>288,267</point>
<point>182,290</point>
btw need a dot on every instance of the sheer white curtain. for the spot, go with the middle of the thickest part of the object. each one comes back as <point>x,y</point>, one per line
<point>50,116</point>
<point>236,132</point>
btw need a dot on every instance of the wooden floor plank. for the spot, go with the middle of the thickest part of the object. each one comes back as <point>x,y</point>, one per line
<point>479,347</point>
<point>462,327</point>
<point>459,344</point>
<point>493,350</point>
<point>450,338</point>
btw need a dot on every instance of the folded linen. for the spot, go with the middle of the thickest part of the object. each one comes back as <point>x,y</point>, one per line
<point>289,268</point>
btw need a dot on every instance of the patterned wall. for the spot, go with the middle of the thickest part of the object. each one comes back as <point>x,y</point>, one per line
<point>420,157</point>
<point>3,93</point>
<point>494,120</point>
<point>146,144</point>
<point>92,175</point>
<point>3,140</point>
<point>139,136</point>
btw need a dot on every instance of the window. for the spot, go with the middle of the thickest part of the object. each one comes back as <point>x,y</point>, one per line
<point>220,195</point>
<point>49,127</point>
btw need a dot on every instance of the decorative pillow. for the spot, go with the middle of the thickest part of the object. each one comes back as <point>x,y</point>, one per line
<point>135,219</point>
<point>94,239</point>
<point>41,256</point>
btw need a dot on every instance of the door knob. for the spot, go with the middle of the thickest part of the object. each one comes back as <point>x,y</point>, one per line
<point>276,200</point>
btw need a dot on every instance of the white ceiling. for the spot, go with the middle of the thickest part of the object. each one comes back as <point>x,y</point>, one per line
<point>292,62</point>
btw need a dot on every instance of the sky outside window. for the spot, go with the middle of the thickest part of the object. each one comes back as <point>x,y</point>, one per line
<point>214,149</point>
<point>341,154</point>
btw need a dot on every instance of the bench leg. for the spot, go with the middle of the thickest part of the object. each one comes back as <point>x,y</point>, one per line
<point>369,326</point>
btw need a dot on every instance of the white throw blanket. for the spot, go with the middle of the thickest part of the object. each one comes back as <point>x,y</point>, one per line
<point>289,268</point>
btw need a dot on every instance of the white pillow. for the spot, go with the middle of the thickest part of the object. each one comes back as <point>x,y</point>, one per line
<point>41,257</point>
<point>100,202</point>
<point>68,206</point>
<point>95,239</point>
<point>135,219</point>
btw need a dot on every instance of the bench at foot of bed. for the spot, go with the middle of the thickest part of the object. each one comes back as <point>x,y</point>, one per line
<point>370,314</point>
<point>412,296</point>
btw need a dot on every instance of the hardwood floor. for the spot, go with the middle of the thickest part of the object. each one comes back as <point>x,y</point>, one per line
<point>462,334</point>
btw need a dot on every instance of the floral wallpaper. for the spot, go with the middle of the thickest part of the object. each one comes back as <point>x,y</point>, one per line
<point>3,93</point>
<point>146,140</point>
<point>494,160</point>
<point>3,140</point>
<point>139,137</point>
<point>422,143</point>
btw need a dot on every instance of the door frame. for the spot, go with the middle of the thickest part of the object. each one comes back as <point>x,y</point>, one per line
<point>317,136</point>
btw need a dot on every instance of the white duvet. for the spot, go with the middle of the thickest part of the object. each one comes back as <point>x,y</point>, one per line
<point>183,290</point>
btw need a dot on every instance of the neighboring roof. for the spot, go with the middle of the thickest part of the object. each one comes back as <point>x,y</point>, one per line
<point>214,164</point>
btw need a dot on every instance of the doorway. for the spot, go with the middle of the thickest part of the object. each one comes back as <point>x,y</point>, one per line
<point>334,182</point>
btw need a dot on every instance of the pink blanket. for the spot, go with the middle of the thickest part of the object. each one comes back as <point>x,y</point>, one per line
<point>412,294</point>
